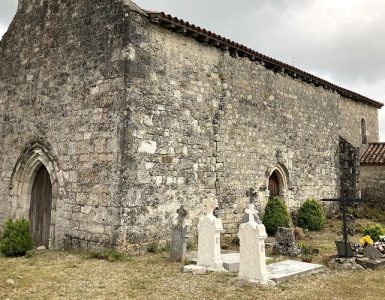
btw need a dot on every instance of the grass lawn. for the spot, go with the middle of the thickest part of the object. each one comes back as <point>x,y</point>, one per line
<point>72,275</point>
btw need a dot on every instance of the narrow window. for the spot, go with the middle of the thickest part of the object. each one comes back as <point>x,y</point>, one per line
<point>364,138</point>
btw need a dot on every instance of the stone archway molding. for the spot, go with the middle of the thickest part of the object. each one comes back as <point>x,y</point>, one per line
<point>283,180</point>
<point>34,155</point>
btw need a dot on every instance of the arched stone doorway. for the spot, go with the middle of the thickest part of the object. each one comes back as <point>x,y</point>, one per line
<point>34,190</point>
<point>278,182</point>
<point>40,208</point>
<point>274,187</point>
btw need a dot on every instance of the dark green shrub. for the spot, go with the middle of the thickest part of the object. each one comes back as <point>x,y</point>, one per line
<point>153,247</point>
<point>311,215</point>
<point>374,231</point>
<point>17,239</point>
<point>276,215</point>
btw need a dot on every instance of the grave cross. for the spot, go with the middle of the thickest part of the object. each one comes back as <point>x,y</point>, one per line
<point>251,211</point>
<point>343,204</point>
<point>252,194</point>
<point>210,204</point>
<point>182,213</point>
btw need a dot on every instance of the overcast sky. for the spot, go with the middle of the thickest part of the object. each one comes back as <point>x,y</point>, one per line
<point>342,41</point>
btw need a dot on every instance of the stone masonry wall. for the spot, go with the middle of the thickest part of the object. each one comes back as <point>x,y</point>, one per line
<point>351,113</point>
<point>218,124</point>
<point>140,120</point>
<point>372,179</point>
<point>62,82</point>
<point>223,124</point>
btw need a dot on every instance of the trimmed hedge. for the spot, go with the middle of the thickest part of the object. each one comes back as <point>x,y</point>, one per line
<point>17,239</point>
<point>276,215</point>
<point>311,215</point>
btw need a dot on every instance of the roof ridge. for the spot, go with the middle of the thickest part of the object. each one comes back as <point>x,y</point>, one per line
<point>206,36</point>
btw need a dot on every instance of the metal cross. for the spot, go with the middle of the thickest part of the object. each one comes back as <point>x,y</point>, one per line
<point>251,211</point>
<point>252,194</point>
<point>343,204</point>
<point>209,204</point>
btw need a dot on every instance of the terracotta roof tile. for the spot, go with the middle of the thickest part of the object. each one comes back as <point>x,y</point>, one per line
<point>374,154</point>
<point>203,35</point>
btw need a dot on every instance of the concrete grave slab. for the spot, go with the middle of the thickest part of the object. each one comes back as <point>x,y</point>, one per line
<point>230,259</point>
<point>291,269</point>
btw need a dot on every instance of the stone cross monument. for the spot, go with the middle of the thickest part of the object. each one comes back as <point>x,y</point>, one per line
<point>209,231</point>
<point>180,235</point>
<point>252,237</point>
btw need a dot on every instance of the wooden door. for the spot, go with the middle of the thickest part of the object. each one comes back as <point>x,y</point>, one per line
<point>274,185</point>
<point>40,210</point>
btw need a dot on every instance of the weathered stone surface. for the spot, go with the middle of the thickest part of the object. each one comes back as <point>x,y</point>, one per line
<point>342,263</point>
<point>286,249</point>
<point>285,242</point>
<point>372,179</point>
<point>133,117</point>
<point>285,235</point>
<point>299,233</point>
<point>179,236</point>
<point>372,253</point>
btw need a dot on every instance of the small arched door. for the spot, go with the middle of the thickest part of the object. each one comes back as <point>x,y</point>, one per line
<point>274,185</point>
<point>40,209</point>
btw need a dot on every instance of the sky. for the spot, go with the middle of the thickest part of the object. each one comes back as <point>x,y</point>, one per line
<point>341,41</point>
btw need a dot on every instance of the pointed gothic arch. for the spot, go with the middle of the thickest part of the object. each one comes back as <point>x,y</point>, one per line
<point>277,182</point>
<point>34,160</point>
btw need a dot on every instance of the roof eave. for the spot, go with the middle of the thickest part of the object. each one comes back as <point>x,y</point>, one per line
<point>235,49</point>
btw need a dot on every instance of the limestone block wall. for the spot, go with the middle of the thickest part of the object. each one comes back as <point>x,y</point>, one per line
<point>61,82</point>
<point>372,179</point>
<point>211,123</point>
<point>171,138</point>
<point>351,114</point>
<point>272,121</point>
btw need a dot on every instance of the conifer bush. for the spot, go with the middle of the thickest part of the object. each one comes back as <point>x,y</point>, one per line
<point>276,215</point>
<point>17,240</point>
<point>374,231</point>
<point>311,215</point>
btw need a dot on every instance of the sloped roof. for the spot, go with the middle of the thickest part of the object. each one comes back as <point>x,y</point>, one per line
<point>374,154</point>
<point>204,36</point>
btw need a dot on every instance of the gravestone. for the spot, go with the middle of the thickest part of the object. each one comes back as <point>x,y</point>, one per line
<point>286,242</point>
<point>252,194</point>
<point>372,253</point>
<point>180,235</point>
<point>252,237</point>
<point>209,240</point>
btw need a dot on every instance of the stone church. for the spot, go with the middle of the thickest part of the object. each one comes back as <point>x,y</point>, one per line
<point>112,117</point>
